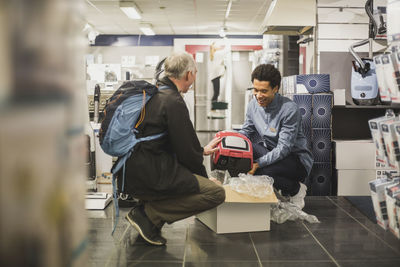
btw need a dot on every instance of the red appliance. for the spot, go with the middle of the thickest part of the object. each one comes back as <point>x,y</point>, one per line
<point>235,153</point>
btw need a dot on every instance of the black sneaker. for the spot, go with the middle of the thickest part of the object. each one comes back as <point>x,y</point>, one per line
<point>139,220</point>
<point>127,201</point>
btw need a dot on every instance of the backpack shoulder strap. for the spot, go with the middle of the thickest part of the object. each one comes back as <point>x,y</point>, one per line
<point>163,87</point>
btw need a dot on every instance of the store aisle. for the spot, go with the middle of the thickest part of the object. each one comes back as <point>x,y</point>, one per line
<point>345,237</point>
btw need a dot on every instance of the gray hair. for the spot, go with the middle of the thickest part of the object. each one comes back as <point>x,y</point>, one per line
<point>178,63</point>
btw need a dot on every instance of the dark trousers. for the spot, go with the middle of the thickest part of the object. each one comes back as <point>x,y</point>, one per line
<point>287,172</point>
<point>161,209</point>
<point>215,83</point>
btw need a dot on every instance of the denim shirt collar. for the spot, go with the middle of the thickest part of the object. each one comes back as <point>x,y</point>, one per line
<point>274,102</point>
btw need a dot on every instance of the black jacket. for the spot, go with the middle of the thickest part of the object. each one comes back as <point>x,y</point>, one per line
<point>165,166</point>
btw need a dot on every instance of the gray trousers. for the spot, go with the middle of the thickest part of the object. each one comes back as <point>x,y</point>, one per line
<point>161,209</point>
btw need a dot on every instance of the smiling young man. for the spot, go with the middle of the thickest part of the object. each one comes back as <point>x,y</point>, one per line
<point>273,124</point>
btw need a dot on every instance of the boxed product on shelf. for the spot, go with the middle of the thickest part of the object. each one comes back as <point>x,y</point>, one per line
<point>390,76</point>
<point>387,173</point>
<point>374,126</point>
<point>321,179</point>
<point>378,187</point>
<point>354,154</point>
<point>381,165</point>
<point>354,182</point>
<point>339,97</point>
<point>384,91</point>
<point>397,215</point>
<point>322,143</point>
<point>321,110</point>
<point>312,83</point>
<point>391,192</point>
<point>304,102</point>
<point>390,138</point>
<point>288,85</point>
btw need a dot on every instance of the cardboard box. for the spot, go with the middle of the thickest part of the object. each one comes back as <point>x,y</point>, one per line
<point>354,182</point>
<point>321,111</point>
<point>377,188</point>
<point>321,179</point>
<point>321,144</point>
<point>355,154</point>
<point>391,192</point>
<point>288,85</point>
<point>339,97</point>
<point>388,129</point>
<point>375,127</point>
<point>304,102</point>
<point>397,213</point>
<point>313,83</point>
<point>239,213</point>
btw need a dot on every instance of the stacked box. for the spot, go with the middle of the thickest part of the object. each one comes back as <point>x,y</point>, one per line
<point>321,145</point>
<point>391,192</point>
<point>397,213</point>
<point>321,179</point>
<point>316,110</point>
<point>322,110</point>
<point>321,129</point>
<point>384,91</point>
<point>304,102</point>
<point>313,83</point>
<point>288,85</point>
<point>375,127</point>
<point>378,187</point>
<point>392,151</point>
<point>390,69</point>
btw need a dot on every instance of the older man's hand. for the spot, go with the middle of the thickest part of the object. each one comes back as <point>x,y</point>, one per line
<point>212,146</point>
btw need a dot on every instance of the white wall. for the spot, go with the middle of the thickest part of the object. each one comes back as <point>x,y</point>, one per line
<point>342,23</point>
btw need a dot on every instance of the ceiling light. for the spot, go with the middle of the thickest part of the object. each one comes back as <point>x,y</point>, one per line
<point>222,32</point>
<point>147,29</point>
<point>130,9</point>
<point>228,9</point>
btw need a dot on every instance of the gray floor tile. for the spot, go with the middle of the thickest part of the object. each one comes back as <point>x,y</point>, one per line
<point>200,252</point>
<point>323,208</point>
<point>223,264</point>
<point>298,263</point>
<point>288,241</point>
<point>201,234</point>
<point>385,235</point>
<point>346,239</point>
<point>350,237</point>
<point>370,263</point>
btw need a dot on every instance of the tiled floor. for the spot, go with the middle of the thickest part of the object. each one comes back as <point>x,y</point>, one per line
<point>345,237</point>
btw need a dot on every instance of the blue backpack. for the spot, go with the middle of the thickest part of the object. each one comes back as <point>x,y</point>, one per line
<point>123,113</point>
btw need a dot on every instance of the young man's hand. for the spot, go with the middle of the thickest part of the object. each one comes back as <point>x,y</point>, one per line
<point>255,167</point>
<point>212,146</point>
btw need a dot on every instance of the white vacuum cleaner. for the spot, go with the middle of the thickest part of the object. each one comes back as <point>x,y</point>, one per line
<point>364,85</point>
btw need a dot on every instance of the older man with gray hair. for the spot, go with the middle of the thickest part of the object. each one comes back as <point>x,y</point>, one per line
<point>167,175</point>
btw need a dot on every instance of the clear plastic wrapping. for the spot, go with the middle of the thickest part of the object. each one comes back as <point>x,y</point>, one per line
<point>285,211</point>
<point>257,186</point>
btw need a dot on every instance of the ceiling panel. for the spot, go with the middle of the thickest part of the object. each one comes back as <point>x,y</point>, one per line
<point>178,16</point>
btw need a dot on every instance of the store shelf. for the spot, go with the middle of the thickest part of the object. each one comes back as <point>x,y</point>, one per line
<point>393,106</point>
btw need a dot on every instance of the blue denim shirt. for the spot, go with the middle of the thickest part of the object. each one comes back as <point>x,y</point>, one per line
<point>278,128</point>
